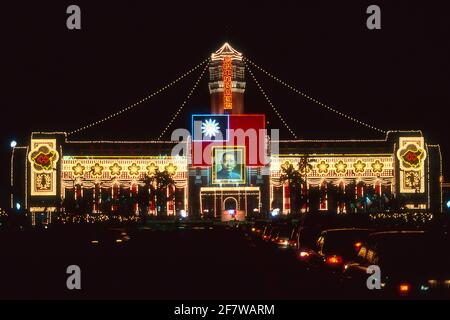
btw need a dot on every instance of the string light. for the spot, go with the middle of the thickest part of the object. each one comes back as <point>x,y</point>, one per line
<point>170,84</point>
<point>99,218</point>
<point>311,98</point>
<point>408,217</point>
<point>226,51</point>
<point>270,102</point>
<point>184,102</point>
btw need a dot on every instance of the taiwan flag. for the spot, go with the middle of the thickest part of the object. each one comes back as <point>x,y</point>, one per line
<point>210,127</point>
<point>244,132</point>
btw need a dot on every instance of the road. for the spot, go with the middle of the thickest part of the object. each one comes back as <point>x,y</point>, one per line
<point>200,263</point>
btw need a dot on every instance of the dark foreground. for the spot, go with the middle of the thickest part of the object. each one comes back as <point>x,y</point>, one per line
<point>193,263</point>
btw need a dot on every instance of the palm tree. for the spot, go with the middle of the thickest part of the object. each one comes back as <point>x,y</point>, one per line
<point>144,196</point>
<point>158,182</point>
<point>350,197</point>
<point>294,180</point>
<point>341,199</point>
<point>305,167</point>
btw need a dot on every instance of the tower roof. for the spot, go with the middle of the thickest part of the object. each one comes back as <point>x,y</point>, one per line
<point>226,50</point>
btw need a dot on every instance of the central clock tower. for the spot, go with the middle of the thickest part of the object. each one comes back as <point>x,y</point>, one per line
<point>226,81</point>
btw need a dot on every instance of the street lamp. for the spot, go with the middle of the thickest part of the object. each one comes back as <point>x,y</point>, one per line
<point>13,144</point>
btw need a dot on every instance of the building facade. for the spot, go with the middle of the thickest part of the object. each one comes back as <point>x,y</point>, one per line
<point>341,175</point>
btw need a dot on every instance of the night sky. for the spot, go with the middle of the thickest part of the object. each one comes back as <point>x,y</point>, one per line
<point>55,79</point>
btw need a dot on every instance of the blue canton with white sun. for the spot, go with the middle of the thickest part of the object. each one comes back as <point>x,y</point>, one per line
<point>210,127</point>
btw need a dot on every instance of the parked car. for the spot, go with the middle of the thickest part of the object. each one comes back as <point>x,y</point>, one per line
<point>258,227</point>
<point>293,239</point>
<point>335,247</point>
<point>283,235</point>
<point>265,235</point>
<point>306,242</point>
<point>412,264</point>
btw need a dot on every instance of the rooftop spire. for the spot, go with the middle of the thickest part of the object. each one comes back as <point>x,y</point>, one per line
<point>226,50</point>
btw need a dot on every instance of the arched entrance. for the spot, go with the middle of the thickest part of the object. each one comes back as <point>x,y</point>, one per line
<point>230,203</point>
<point>222,201</point>
<point>231,209</point>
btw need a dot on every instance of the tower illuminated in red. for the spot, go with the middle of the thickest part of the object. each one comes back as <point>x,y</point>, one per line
<point>226,81</point>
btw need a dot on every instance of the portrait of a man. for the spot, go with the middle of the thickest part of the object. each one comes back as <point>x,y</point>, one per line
<point>228,166</point>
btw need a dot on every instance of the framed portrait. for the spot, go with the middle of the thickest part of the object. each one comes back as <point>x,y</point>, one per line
<point>228,165</point>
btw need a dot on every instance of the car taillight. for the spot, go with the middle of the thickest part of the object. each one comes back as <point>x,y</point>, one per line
<point>303,254</point>
<point>404,288</point>
<point>334,260</point>
<point>292,243</point>
<point>358,246</point>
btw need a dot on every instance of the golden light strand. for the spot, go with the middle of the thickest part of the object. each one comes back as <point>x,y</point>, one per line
<point>184,102</point>
<point>270,102</point>
<point>170,84</point>
<point>313,99</point>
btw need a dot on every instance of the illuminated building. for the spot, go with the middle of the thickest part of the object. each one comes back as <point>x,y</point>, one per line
<point>341,175</point>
